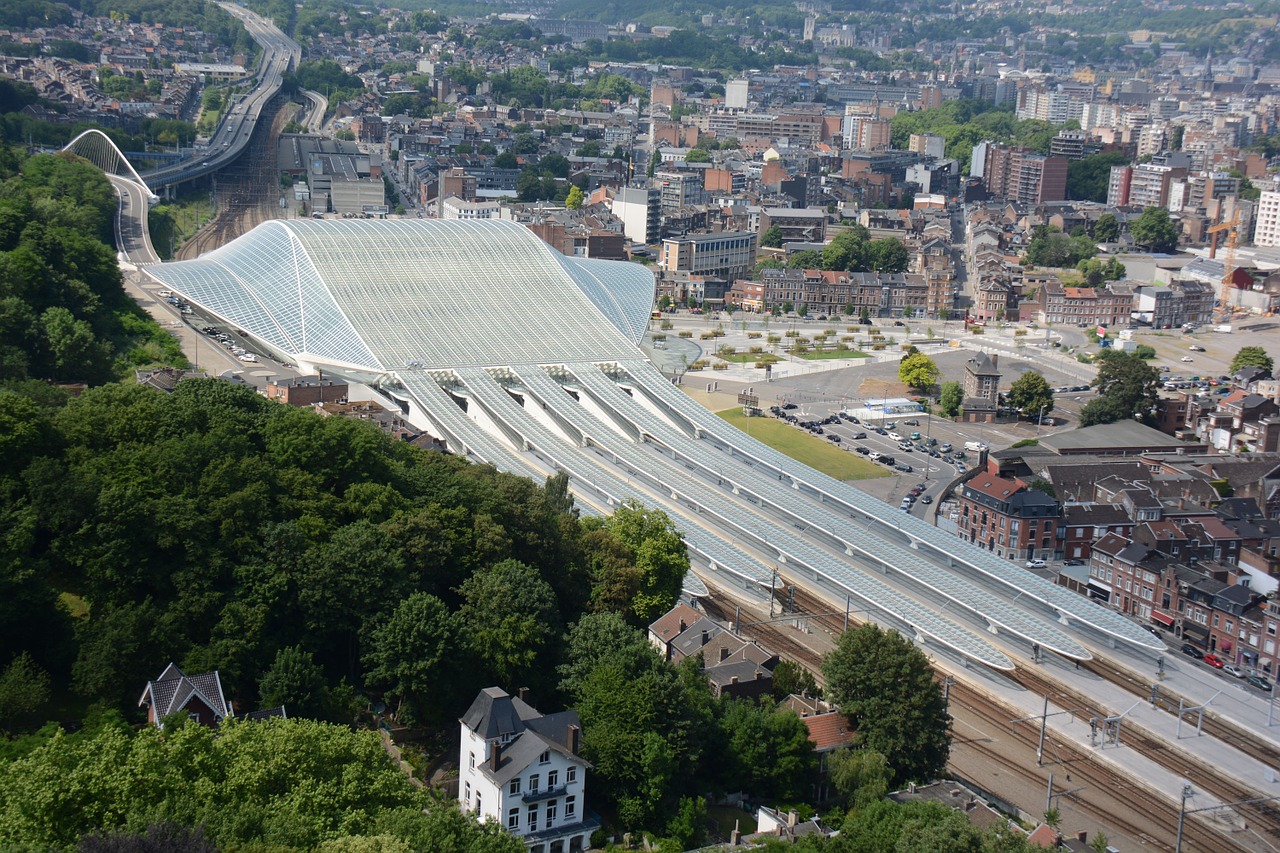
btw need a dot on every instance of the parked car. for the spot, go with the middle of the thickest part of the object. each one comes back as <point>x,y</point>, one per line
<point>903,467</point>
<point>874,454</point>
<point>859,435</point>
<point>1195,348</point>
<point>927,499</point>
<point>1036,563</point>
<point>1192,652</point>
<point>865,451</point>
<point>1232,669</point>
<point>1259,682</point>
<point>946,448</point>
<point>895,436</point>
<point>1073,562</point>
<point>1215,661</point>
<point>915,436</point>
<point>911,422</point>
<point>890,424</point>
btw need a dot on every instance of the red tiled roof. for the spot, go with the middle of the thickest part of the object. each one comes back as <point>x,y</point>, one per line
<point>829,731</point>
<point>667,626</point>
<point>993,486</point>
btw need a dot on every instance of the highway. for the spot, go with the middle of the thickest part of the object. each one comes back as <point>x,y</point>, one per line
<point>133,239</point>
<point>230,140</point>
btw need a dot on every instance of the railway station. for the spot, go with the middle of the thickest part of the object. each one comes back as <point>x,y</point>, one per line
<point>521,357</point>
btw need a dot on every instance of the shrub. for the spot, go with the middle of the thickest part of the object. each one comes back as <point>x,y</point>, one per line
<point>686,333</point>
<point>720,365</point>
<point>755,336</point>
<point>774,339</point>
<point>756,350</point>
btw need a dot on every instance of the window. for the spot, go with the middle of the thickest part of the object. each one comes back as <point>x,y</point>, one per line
<point>570,804</point>
<point>571,775</point>
<point>553,777</point>
<point>467,798</point>
<point>551,812</point>
<point>513,819</point>
<point>545,758</point>
<point>533,817</point>
<point>533,783</point>
<point>471,762</point>
<point>479,807</point>
<point>515,786</point>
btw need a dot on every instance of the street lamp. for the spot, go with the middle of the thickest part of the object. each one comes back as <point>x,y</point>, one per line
<point>1040,421</point>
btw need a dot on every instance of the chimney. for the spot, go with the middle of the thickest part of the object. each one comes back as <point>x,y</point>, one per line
<point>733,679</point>
<point>682,627</point>
<point>495,756</point>
<point>706,637</point>
<point>724,653</point>
<point>575,735</point>
<point>791,819</point>
<point>523,694</point>
<point>1082,836</point>
<point>995,360</point>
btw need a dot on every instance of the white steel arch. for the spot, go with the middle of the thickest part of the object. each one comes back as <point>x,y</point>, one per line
<point>96,147</point>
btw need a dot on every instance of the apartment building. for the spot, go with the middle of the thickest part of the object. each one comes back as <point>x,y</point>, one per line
<point>729,254</point>
<point>1008,518</point>
<point>1083,306</point>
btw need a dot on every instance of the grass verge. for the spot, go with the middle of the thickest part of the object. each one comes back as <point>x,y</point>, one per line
<point>818,355</point>
<point>801,446</point>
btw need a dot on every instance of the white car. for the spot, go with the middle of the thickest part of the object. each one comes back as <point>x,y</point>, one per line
<point>250,357</point>
<point>1187,358</point>
<point>895,436</point>
<point>1036,563</point>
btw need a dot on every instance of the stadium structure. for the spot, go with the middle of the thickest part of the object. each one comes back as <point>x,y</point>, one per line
<point>523,358</point>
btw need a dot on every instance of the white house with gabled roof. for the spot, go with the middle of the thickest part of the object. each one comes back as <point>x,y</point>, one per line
<point>521,768</point>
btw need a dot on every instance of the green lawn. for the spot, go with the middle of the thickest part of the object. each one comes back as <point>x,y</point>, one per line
<point>749,357</point>
<point>816,355</point>
<point>801,446</point>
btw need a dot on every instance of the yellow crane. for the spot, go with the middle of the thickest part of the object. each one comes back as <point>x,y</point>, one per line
<point>1228,263</point>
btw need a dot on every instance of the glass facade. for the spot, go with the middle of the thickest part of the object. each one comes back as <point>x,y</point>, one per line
<point>392,294</point>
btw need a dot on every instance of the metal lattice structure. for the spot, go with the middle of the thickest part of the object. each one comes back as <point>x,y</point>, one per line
<point>96,147</point>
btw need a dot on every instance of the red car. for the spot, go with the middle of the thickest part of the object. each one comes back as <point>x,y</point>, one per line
<point>1214,661</point>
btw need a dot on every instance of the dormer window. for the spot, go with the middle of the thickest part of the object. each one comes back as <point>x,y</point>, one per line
<point>545,758</point>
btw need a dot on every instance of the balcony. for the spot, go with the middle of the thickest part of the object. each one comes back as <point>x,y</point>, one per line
<point>544,794</point>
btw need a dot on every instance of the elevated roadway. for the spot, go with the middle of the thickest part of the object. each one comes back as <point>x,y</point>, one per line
<point>231,139</point>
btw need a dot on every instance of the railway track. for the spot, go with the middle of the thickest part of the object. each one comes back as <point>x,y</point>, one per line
<point>1142,814</point>
<point>248,192</point>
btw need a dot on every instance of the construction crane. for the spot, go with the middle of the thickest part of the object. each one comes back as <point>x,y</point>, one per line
<point>1228,263</point>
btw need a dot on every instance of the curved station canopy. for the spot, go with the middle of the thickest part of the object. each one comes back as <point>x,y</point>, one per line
<point>516,355</point>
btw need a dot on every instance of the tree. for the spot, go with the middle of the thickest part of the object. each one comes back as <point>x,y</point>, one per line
<point>950,398</point>
<point>697,155</point>
<point>659,554</point>
<point>1031,395</point>
<point>575,198</point>
<point>887,255</point>
<point>807,259</point>
<point>918,371</point>
<point>772,237</point>
<point>296,682</point>
<point>848,251</point>
<point>1106,229</point>
<point>506,160</point>
<point>790,677</point>
<point>885,686</point>
<point>768,750</point>
<point>861,776</point>
<point>413,654</point>
<point>1127,387</point>
<point>1154,231</point>
<point>1251,356</point>
<point>24,692</point>
<point>513,619</point>
<point>284,783</point>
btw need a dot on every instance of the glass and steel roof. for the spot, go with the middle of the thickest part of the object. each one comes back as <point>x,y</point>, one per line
<point>1068,605</point>
<point>423,294</point>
